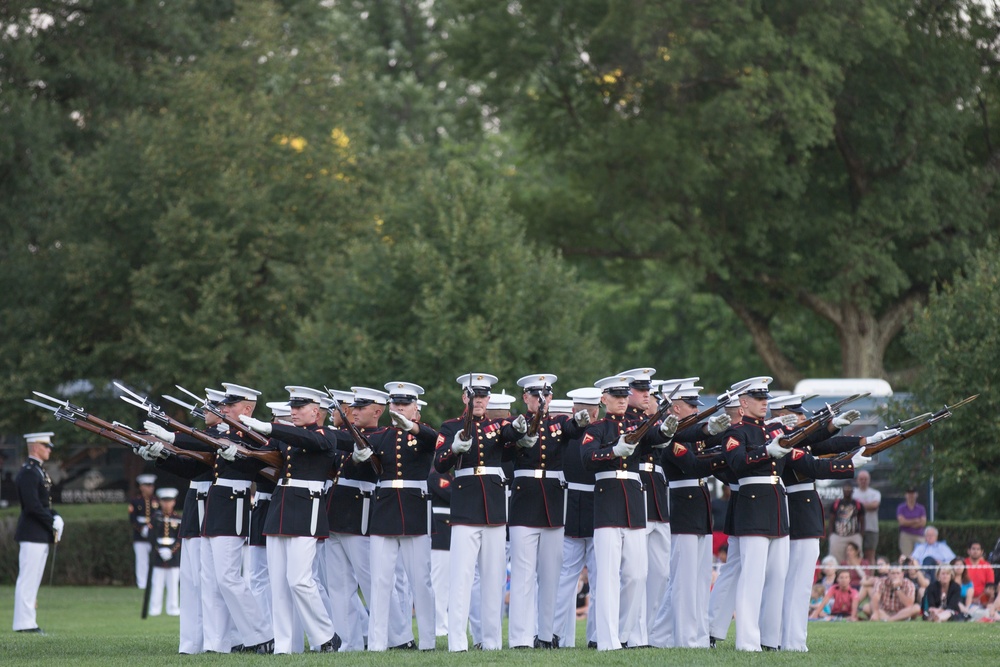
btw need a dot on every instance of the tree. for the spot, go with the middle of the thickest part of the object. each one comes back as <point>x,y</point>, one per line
<point>957,336</point>
<point>441,283</point>
<point>822,156</point>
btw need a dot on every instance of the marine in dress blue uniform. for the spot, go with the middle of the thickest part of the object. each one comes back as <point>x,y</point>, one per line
<point>439,487</point>
<point>478,511</point>
<point>619,517</point>
<point>38,526</point>
<point>537,511</point>
<point>140,514</point>
<point>165,555</point>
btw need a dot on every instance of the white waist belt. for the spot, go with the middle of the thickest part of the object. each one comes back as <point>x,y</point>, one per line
<point>327,485</point>
<point>652,467</point>
<point>441,510</point>
<point>315,486</point>
<point>617,474</point>
<point>234,484</point>
<point>260,497</point>
<point>763,479</point>
<point>796,488</point>
<point>539,474</point>
<point>684,483</point>
<point>405,484</point>
<point>734,487</point>
<point>479,470</point>
<point>200,487</point>
<point>573,486</point>
<point>367,487</point>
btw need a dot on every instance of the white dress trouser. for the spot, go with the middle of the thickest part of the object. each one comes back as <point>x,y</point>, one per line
<point>657,602</point>
<point>535,564</point>
<point>690,583</point>
<point>440,579</point>
<point>141,551</point>
<point>169,578</point>
<point>294,592</point>
<point>621,562</point>
<point>802,557</point>
<point>577,552</point>
<point>30,568</point>
<point>413,552</point>
<point>192,630</point>
<point>225,556</point>
<point>259,579</point>
<point>348,561</point>
<point>764,562</point>
<point>722,599</point>
<point>472,545</point>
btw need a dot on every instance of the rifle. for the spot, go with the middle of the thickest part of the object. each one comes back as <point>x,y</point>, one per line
<point>233,424</point>
<point>113,431</point>
<point>819,418</point>
<point>270,458</point>
<point>721,401</point>
<point>360,441</point>
<point>468,418</point>
<point>540,414</point>
<point>929,420</point>
<point>661,412</point>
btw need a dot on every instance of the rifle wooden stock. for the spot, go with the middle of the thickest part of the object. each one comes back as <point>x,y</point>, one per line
<point>270,457</point>
<point>540,413</point>
<point>800,434</point>
<point>640,431</point>
<point>133,441</point>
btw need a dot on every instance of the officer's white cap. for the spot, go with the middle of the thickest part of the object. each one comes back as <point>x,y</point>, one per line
<point>45,438</point>
<point>501,401</point>
<point>560,406</point>
<point>166,494</point>
<point>537,381</point>
<point>585,395</point>
<point>642,378</point>
<point>236,393</point>
<point>299,396</point>
<point>616,385</point>
<point>146,479</point>
<point>280,408</point>
<point>365,396</point>
<point>342,396</point>
<point>479,383</point>
<point>757,387</point>
<point>215,396</point>
<point>403,392</point>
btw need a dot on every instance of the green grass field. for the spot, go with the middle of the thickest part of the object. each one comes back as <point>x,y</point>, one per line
<point>101,626</point>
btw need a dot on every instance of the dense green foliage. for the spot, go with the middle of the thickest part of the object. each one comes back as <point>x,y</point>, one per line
<point>196,192</point>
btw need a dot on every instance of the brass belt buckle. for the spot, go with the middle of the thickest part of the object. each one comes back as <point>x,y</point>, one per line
<point>480,470</point>
<point>539,474</point>
<point>621,474</point>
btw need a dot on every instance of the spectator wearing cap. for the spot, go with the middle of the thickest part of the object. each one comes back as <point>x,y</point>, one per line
<point>578,536</point>
<point>932,552</point>
<point>38,526</point>
<point>682,620</point>
<point>194,597</point>
<point>654,483</point>
<point>400,516</point>
<point>140,513</point>
<point>478,509</point>
<point>912,518</point>
<point>165,556</point>
<point>537,514</point>
<point>620,548</point>
<point>296,521</point>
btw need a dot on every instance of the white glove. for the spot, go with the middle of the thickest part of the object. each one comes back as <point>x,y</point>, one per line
<point>165,553</point>
<point>876,438</point>
<point>361,455</point>
<point>144,453</point>
<point>222,428</point>
<point>775,450</point>
<point>582,418</point>
<point>400,422</point>
<point>520,424</point>
<point>158,431</point>
<point>718,423</point>
<point>622,448</point>
<point>527,441</point>
<point>57,526</point>
<point>229,453</point>
<point>145,530</point>
<point>256,424</point>
<point>668,426</point>
<point>460,446</point>
<point>840,421</point>
<point>789,420</point>
<point>859,459</point>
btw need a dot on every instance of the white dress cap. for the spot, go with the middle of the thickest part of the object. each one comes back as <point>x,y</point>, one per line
<point>616,385</point>
<point>215,396</point>
<point>280,408</point>
<point>236,393</point>
<point>537,381</point>
<point>365,396</point>
<point>479,383</point>
<point>146,479</point>
<point>299,396</point>
<point>757,387</point>
<point>501,401</point>
<point>586,396</point>
<point>403,392</point>
<point>560,406</point>
<point>45,437</point>
<point>166,493</point>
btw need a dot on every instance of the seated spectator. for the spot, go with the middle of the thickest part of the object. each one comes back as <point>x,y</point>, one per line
<point>855,565</point>
<point>942,597</point>
<point>826,574</point>
<point>988,597</point>
<point>844,599</point>
<point>894,598</point>
<point>817,610</point>
<point>932,552</point>
<point>880,571</point>
<point>913,572</point>
<point>962,579</point>
<point>979,569</point>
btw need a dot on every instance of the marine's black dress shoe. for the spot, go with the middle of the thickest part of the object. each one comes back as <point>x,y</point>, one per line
<point>36,631</point>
